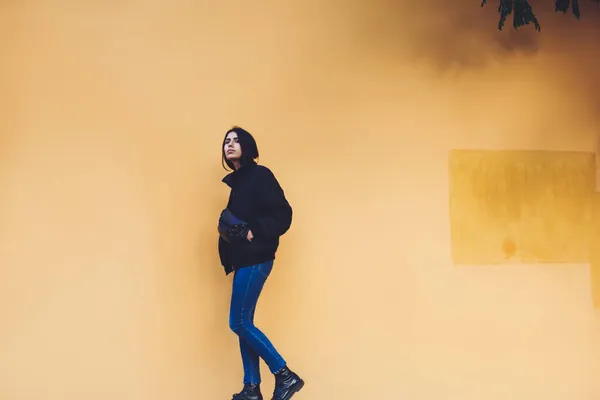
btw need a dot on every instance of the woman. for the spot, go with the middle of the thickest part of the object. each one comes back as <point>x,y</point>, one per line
<point>257,214</point>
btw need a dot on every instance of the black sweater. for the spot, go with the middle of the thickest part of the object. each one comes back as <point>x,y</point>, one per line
<point>257,198</point>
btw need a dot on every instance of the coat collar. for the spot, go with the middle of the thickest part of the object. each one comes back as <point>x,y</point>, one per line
<point>230,178</point>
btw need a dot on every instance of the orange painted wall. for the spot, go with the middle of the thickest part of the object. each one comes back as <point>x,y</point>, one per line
<point>110,286</point>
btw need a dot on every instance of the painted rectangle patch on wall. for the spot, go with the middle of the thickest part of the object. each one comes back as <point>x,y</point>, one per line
<point>595,251</point>
<point>520,206</point>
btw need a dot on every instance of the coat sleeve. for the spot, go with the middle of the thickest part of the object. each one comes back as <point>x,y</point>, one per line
<point>276,218</point>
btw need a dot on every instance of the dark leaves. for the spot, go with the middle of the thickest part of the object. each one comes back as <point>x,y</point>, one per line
<point>505,8</point>
<point>563,6</point>
<point>524,15</point>
<point>576,11</point>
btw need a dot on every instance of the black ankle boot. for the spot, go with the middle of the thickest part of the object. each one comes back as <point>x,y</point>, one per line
<point>251,391</point>
<point>287,384</point>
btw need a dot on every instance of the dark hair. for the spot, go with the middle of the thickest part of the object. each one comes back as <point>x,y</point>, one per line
<point>247,144</point>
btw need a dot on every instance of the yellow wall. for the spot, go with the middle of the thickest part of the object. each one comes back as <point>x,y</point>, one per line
<point>110,286</point>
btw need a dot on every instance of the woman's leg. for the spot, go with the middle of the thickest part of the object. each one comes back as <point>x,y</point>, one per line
<point>247,286</point>
<point>250,360</point>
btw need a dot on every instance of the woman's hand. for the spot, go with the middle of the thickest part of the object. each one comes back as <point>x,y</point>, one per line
<point>240,233</point>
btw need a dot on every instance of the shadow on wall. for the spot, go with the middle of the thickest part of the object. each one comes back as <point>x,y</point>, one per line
<point>524,207</point>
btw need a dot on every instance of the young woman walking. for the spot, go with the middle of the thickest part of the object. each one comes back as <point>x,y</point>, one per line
<point>257,214</point>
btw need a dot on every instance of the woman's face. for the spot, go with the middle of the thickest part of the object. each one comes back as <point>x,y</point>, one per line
<point>232,148</point>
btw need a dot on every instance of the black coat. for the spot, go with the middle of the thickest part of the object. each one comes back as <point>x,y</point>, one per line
<point>257,198</point>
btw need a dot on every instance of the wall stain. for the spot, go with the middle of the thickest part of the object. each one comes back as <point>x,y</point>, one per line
<point>509,248</point>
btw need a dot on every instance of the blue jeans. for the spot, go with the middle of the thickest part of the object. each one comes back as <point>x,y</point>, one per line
<point>247,286</point>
